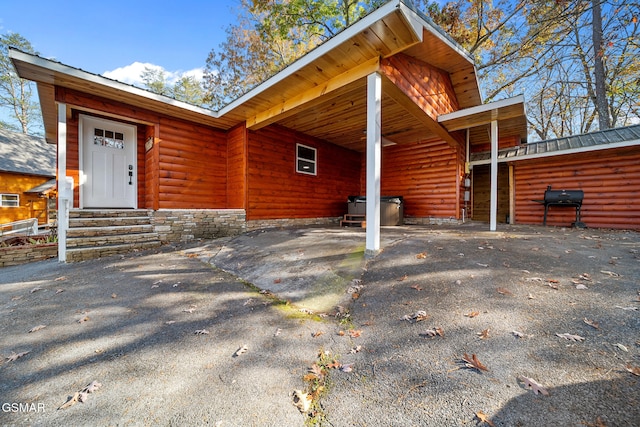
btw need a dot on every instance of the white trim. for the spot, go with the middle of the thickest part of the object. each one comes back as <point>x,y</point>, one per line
<point>319,51</point>
<point>58,67</point>
<point>374,162</point>
<point>81,172</point>
<point>65,200</point>
<point>493,210</point>
<point>600,147</point>
<point>314,161</point>
<point>17,200</point>
<point>484,108</point>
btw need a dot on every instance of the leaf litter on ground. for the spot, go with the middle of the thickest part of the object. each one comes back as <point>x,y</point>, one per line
<point>82,395</point>
<point>571,337</point>
<point>473,362</point>
<point>532,384</point>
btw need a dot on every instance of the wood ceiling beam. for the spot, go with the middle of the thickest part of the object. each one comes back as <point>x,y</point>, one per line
<point>311,97</point>
<point>398,95</point>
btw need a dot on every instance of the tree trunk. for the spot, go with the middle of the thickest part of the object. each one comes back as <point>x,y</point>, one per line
<point>602,105</point>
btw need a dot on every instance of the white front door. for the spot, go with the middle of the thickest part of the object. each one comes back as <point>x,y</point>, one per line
<point>108,164</point>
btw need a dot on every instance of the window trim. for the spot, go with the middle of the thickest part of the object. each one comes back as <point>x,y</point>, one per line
<point>2,200</point>
<point>313,161</point>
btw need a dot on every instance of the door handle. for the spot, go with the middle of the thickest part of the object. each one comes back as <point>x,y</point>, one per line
<point>130,174</point>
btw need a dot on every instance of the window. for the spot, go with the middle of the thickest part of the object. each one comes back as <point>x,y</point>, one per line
<point>305,159</point>
<point>9,200</point>
<point>108,138</point>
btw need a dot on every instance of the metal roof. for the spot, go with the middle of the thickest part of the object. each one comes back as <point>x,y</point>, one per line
<point>600,140</point>
<point>20,153</point>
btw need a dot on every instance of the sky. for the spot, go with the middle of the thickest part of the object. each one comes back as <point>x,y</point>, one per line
<point>117,38</point>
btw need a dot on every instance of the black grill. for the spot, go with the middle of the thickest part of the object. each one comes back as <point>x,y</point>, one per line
<point>563,198</point>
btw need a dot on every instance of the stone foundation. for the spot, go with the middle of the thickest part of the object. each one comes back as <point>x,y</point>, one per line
<point>430,221</point>
<point>16,255</point>
<point>292,222</point>
<point>181,225</point>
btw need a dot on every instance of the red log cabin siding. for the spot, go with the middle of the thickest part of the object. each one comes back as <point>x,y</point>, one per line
<point>192,165</point>
<point>276,190</point>
<point>73,156</point>
<point>237,168</point>
<point>152,175</point>
<point>428,86</point>
<point>610,181</point>
<point>425,174</point>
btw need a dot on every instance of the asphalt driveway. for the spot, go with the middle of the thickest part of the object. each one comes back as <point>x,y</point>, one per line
<point>293,326</point>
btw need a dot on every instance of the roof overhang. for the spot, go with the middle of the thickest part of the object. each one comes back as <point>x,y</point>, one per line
<point>510,114</point>
<point>323,94</point>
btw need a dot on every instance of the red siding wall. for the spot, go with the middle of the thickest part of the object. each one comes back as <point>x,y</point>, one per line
<point>425,174</point>
<point>186,168</point>
<point>193,166</point>
<point>427,86</point>
<point>237,168</point>
<point>610,181</point>
<point>275,190</point>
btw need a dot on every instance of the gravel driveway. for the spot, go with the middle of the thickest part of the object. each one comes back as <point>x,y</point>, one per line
<point>174,338</point>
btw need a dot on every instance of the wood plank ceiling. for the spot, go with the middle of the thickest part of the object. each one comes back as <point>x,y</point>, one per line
<point>323,94</point>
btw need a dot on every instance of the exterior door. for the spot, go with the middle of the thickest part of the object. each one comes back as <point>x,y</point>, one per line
<point>108,178</point>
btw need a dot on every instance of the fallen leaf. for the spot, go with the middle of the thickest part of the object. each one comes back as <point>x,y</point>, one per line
<point>421,255</point>
<point>530,296</point>
<point>355,295</point>
<point>278,280</point>
<point>484,334</point>
<point>36,289</point>
<point>201,332</point>
<point>570,337</point>
<point>84,319</point>
<point>302,401</point>
<point>534,386</point>
<point>403,278</point>
<point>581,287</point>
<point>609,273</point>
<point>356,349</point>
<point>355,333</point>
<point>241,350</point>
<point>15,356</point>
<point>169,322</point>
<point>504,291</point>
<point>473,362</point>
<point>59,291</point>
<point>430,333</point>
<point>472,314</point>
<point>517,334</point>
<point>59,279</point>
<point>483,418</point>
<point>591,323</point>
<point>317,334</point>
<point>93,386</point>
<point>278,332</point>
<point>71,401</point>
<point>114,295</point>
<point>155,286</point>
<point>635,370</point>
<point>622,347</point>
<point>346,367</point>
<point>37,328</point>
<point>416,287</point>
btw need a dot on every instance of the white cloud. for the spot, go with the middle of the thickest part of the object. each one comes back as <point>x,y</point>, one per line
<point>131,73</point>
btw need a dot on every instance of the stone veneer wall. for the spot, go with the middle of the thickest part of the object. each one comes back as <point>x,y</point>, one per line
<point>16,255</point>
<point>293,222</point>
<point>181,225</point>
<point>408,220</point>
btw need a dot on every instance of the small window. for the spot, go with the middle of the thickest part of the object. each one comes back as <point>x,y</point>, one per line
<point>305,159</point>
<point>9,200</point>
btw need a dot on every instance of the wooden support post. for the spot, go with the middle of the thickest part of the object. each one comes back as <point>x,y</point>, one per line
<point>63,201</point>
<point>374,162</point>
<point>494,176</point>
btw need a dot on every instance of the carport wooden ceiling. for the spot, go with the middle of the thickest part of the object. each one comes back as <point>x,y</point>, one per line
<point>323,94</point>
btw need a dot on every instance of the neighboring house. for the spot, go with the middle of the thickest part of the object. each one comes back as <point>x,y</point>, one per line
<point>27,177</point>
<point>389,106</point>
